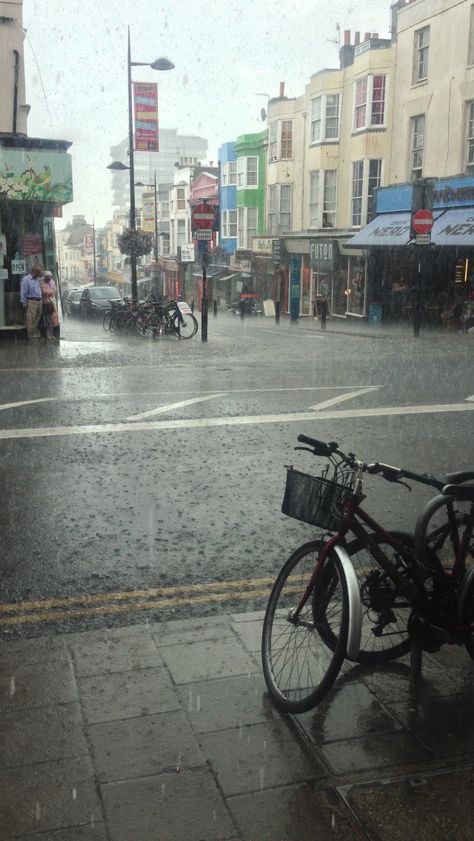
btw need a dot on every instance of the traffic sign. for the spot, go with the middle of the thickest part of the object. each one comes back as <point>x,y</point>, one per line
<point>422,221</point>
<point>423,239</point>
<point>204,234</point>
<point>203,216</point>
<point>203,247</point>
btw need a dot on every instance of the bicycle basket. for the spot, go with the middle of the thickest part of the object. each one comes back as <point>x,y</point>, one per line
<point>314,500</point>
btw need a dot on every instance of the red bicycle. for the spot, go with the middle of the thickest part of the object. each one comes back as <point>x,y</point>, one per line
<point>368,599</point>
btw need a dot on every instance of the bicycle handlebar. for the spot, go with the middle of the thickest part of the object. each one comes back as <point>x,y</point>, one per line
<point>386,471</point>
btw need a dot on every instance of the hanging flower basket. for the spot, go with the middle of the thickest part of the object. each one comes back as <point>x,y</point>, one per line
<point>134,243</point>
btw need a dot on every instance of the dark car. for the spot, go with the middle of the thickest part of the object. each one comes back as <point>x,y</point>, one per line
<point>73,299</point>
<point>96,300</point>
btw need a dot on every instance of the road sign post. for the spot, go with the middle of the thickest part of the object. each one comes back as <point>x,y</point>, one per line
<point>421,225</point>
<point>203,218</point>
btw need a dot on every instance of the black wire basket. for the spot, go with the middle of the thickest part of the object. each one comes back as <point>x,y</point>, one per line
<point>314,499</point>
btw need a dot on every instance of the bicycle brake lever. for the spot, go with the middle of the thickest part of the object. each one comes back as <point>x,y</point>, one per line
<point>399,482</point>
<point>304,448</point>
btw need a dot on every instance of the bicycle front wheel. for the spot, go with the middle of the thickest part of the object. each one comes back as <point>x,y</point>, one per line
<point>185,326</point>
<point>298,664</point>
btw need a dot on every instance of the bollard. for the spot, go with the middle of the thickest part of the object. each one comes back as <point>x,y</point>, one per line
<point>215,308</point>
<point>192,305</point>
<point>277,312</point>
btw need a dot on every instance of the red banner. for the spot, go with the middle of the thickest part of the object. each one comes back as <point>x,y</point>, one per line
<point>145,105</point>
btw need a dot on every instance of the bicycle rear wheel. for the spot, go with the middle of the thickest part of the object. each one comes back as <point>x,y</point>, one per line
<point>298,665</point>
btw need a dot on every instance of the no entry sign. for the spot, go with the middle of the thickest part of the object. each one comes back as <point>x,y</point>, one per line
<point>203,216</point>
<point>422,221</point>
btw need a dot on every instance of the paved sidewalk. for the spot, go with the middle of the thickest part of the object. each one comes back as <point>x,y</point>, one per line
<point>163,732</point>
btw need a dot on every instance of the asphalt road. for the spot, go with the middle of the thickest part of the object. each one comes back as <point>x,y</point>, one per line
<point>142,477</point>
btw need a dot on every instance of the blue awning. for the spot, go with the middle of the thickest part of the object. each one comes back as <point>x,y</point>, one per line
<point>385,229</point>
<point>454,227</point>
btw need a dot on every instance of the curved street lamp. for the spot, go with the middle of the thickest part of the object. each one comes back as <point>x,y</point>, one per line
<point>158,64</point>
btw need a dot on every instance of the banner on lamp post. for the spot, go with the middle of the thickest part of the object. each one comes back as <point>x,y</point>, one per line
<point>148,213</point>
<point>145,107</point>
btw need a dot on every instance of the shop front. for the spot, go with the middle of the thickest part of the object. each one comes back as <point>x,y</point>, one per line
<point>437,276</point>
<point>35,181</point>
<point>338,273</point>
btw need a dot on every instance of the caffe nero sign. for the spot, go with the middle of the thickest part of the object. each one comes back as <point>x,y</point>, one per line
<point>321,254</point>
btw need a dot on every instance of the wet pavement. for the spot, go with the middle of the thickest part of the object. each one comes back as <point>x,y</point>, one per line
<point>164,732</point>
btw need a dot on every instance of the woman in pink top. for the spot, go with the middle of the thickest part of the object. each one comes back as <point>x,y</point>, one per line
<point>48,289</point>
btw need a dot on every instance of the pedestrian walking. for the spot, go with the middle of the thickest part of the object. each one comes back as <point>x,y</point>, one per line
<point>31,299</point>
<point>323,309</point>
<point>50,315</point>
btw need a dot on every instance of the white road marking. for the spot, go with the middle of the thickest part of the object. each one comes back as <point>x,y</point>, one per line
<point>340,398</point>
<point>245,420</point>
<point>26,403</point>
<point>470,398</point>
<point>169,408</point>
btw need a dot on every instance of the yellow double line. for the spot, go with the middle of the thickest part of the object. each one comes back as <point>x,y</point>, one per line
<point>158,598</point>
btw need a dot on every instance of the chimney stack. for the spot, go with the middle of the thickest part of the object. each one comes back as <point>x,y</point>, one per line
<point>282,90</point>
<point>356,39</point>
<point>346,53</point>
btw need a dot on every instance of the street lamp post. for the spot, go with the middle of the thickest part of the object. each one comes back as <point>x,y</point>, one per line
<point>158,64</point>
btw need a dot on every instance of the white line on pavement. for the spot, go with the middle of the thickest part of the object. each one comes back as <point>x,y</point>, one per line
<point>340,398</point>
<point>25,403</point>
<point>169,408</point>
<point>245,420</point>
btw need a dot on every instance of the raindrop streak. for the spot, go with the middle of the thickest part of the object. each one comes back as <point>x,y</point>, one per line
<point>163,787</point>
<point>37,811</point>
<point>92,821</point>
<point>241,730</point>
<point>190,705</point>
<point>333,821</point>
<point>214,816</point>
<point>198,704</point>
<point>261,774</point>
<point>12,686</point>
<point>74,794</point>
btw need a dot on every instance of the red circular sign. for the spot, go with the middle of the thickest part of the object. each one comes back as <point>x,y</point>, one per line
<point>203,216</point>
<point>422,221</point>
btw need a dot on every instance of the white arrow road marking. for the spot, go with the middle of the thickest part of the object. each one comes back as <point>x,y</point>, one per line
<point>169,408</point>
<point>246,420</point>
<point>341,398</point>
<point>25,403</point>
<point>470,398</point>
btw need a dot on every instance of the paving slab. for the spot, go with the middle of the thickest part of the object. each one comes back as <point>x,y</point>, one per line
<point>185,806</point>
<point>27,652</point>
<point>445,726</point>
<point>39,685</point>
<point>226,703</point>
<point>250,634</point>
<point>115,652</point>
<point>126,694</point>
<point>393,682</point>
<point>431,808</point>
<point>257,757</point>
<point>47,796</point>
<point>192,630</point>
<point>374,750</point>
<point>349,711</point>
<point>291,814</point>
<point>39,735</point>
<point>138,747</point>
<point>208,659</point>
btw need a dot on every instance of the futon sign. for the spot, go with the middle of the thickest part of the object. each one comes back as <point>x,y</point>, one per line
<point>321,255</point>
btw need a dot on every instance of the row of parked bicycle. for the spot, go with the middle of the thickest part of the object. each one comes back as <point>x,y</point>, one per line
<point>363,593</point>
<point>151,319</point>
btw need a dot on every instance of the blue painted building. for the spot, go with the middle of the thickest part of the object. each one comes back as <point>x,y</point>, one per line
<point>228,197</point>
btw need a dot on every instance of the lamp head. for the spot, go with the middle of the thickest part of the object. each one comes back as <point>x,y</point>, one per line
<point>117,165</point>
<point>162,64</point>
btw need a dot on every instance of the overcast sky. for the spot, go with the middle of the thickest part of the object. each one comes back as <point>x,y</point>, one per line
<point>227,54</point>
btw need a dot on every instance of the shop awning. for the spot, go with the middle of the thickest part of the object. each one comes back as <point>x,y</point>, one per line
<point>454,227</point>
<point>386,229</point>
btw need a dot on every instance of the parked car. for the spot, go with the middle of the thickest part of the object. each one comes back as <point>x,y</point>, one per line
<point>72,303</point>
<point>96,300</point>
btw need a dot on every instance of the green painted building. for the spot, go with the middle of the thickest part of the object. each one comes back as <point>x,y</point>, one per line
<point>250,151</point>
